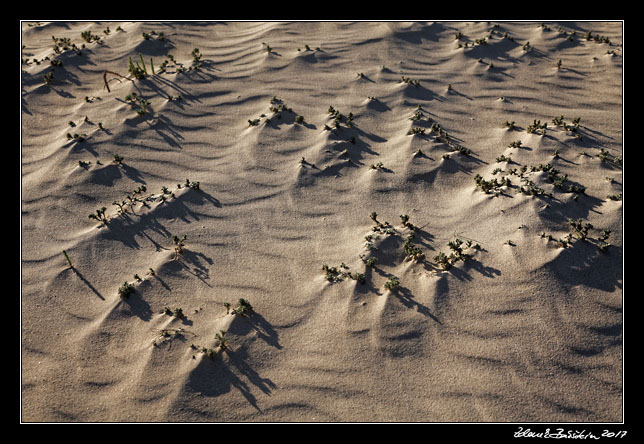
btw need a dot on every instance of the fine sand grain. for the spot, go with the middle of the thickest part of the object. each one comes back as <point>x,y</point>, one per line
<point>269,148</point>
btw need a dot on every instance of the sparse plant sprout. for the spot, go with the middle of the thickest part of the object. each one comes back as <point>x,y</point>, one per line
<point>615,196</point>
<point>69,261</point>
<point>223,341</point>
<point>83,163</point>
<point>509,125</point>
<point>515,144</point>
<point>377,166</point>
<point>253,122</point>
<point>178,313</point>
<point>117,159</point>
<point>299,119</point>
<point>151,272</point>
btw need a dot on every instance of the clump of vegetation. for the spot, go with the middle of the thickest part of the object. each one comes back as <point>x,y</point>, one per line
<point>457,247</point>
<point>77,137</point>
<point>412,252</point>
<point>536,127</point>
<point>138,71</point>
<point>392,283</point>
<point>89,37</point>
<point>100,216</point>
<point>243,308</point>
<point>580,229</point>
<point>606,157</point>
<point>410,81</point>
<point>196,59</point>
<point>493,186</point>
<point>135,99</point>
<point>126,290</point>
<point>333,274</point>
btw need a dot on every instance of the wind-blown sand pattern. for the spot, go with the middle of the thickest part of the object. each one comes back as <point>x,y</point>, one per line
<point>526,327</point>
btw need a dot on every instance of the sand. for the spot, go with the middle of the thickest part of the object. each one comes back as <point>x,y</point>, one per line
<point>248,149</point>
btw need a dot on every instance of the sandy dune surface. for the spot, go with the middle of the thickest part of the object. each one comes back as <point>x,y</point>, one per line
<point>286,154</point>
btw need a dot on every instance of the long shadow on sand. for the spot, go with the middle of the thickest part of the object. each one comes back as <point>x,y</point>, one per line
<point>215,377</point>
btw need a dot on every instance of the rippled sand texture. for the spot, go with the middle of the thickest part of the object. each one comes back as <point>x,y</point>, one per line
<point>524,330</point>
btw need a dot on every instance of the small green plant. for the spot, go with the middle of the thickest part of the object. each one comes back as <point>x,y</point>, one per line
<point>100,215</point>
<point>392,283</point>
<point>412,252</point>
<point>358,277</point>
<point>371,261</point>
<point>515,144</point>
<point>332,273</point>
<point>580,228</point>
<point>537,127</point>
<point>377,166</point>
<point>493,186</point>
<point>138,71</point>
<point>509,125</point>
<point>243,308</point>
<point>117,159</point>
<point>253,122</point>
<point>89,37</point>
<point>179,243</point>
<point>196,59</point>
<point>126,290</point>
<point>410,81</point>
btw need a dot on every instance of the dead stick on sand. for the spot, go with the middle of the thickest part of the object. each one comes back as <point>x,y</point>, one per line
<point>105,78</point>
